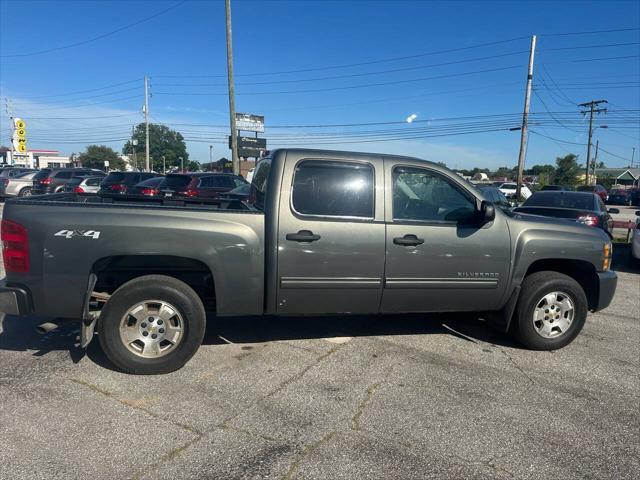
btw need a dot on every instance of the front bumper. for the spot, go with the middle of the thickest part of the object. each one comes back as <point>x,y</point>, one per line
<point>14,301</point>
<point>607,282</point>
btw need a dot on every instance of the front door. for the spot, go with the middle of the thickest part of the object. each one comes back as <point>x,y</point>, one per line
<point>438,257</point>
<point>331,237</point>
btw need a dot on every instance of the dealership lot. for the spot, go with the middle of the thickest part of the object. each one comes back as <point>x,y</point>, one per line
<point>367,397</point>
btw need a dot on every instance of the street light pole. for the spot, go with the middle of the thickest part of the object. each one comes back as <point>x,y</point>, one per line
<point>181,164</point>
<point>164,165</point>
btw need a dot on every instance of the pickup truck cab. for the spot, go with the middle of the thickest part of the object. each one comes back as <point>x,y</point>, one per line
<point>322,232</point>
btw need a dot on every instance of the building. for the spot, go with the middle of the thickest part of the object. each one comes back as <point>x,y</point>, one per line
<point>34,159</point>
<point>629,177</point>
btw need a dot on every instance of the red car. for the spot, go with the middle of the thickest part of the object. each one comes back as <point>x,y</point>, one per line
<point>199,185</point>
<point>597,189</point>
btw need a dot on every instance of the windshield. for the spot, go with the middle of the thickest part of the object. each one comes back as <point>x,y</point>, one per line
<point>561,200</point>
<point>176,181</point>
<point>44,173</point>
<point>114,177</point>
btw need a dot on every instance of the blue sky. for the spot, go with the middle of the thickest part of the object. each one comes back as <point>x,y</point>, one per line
<point>92,93</point>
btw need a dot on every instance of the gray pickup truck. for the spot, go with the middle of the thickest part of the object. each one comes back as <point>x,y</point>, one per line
<point>322,232</point>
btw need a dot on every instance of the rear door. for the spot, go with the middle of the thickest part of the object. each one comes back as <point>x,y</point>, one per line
<point>438,258</point>
<point>331,236</point>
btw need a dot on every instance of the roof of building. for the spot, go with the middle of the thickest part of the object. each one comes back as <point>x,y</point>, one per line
<point>618,172</point>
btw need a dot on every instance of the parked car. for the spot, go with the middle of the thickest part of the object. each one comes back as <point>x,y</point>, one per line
<point>201,185</point>
<point>18,185</point>
<point>121,182</point>
<point>619,197</point>
<point>150,187</point>
<point>495,195</point>
<point>582,207</point>
<point>561,188</point>
<point>597,189</point>
<point>327,233</point>
<point>53,180</point>
<point>509,189</point>
<point>83,185</point>
<point>10,172</point>
<point>634,251</point>
<point>635,196</point>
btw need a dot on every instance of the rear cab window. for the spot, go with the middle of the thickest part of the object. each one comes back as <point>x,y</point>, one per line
<point>259,184</point>
<point>333,189</point>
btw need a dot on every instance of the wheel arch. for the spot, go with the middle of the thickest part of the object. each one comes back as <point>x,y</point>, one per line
<point>113,271</point>
<point>581,271</point>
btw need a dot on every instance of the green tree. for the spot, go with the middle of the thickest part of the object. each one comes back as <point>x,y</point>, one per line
<point>162,142</point>
<point>96,155</point>
<point>504,172</point>
<point>567,170</point>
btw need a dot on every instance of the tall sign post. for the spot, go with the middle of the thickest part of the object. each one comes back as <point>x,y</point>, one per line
<point>19,140</point>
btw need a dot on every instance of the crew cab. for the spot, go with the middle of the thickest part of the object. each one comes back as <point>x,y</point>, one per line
<point>322,232</point>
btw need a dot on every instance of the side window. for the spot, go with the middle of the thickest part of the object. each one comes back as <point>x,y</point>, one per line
<point>63,175</point>
<point>221,181</point>
<point>333,189</point>
<point>423,195</point>
<point>603,207</point>
<point>206,182</point>
<point>237,182</point>
<point>92,182</point>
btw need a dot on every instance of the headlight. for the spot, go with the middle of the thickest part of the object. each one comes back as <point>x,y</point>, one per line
<point>607,251</point>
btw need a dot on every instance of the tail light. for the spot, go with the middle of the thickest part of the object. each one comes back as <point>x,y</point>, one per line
<point>15,246</point>
<point>46,181</point>
<point>5,181</point>
<point>149,191</point>
<point>78,189</point>
<point>117,187</point>
<point>590,220</point>
<point>192,192</point>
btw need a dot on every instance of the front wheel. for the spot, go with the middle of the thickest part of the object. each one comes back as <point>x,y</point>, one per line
<point>151,325</point>
<point>551,311</point>
<point>25,192</point>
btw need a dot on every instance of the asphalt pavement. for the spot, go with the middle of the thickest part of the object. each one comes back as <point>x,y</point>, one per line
<point>398,397</point>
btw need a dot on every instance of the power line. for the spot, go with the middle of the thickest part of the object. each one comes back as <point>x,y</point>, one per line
<point>561,34</point>
<point>353,75</point>
<point>578,47</point>
<point>87,91</point>
<point>613,154</point>
<point>99,37</point>
<point>396,82</point>
<point>580,60</point>
<point>556,139</point>
<point>359,64</point>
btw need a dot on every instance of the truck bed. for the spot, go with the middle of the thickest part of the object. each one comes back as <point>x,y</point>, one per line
<point>72,236</point>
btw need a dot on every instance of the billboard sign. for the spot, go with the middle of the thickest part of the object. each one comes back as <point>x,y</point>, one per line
<point>250,122</point>
<point>250,146</point>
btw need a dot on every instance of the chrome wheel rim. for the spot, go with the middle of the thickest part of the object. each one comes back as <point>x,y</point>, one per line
<point>553,315</point>
<point>151,329</point>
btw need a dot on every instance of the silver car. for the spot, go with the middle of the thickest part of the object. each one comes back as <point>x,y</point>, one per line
<point>17,186</point>
<point>83,185</point>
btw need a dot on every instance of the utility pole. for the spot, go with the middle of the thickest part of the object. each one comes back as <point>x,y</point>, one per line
<point>592,109</point>
<point>232,101</point>
<point>595,160</point>
<point>525,118</point>
<point>633,154</point>
<point>211,157</point>
<point>146,121</point>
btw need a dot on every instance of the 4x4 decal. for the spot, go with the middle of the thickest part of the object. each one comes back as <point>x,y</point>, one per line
<point>78,233</point>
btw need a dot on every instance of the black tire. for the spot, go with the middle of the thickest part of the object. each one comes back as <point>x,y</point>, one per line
<point>25,192</point>
<point>141,289</point>
<point>534,288</point>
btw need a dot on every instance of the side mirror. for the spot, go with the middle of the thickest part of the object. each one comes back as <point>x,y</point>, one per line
<point>613,210</point>
<point>487,212</point>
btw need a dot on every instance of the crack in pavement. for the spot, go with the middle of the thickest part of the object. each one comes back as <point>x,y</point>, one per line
<point>355,421</point>
<point>166,457</point>
<point>282,386</point>
<point>305,453</point>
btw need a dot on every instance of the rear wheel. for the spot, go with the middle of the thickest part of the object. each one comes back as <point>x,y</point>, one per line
<point>151,325</point>
<point>551,311</point>
<point>25,192</point>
